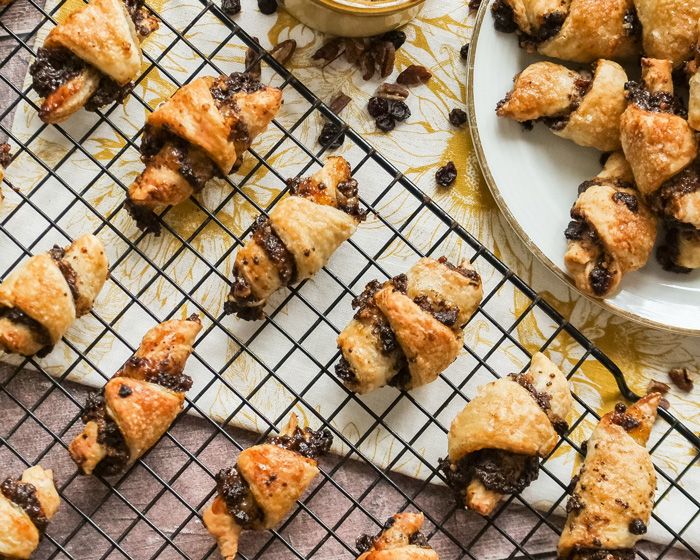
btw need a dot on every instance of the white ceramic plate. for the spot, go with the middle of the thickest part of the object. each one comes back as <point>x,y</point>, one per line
<point>534,176</point>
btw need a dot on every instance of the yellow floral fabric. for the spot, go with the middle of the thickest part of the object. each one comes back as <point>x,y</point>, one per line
<point>417,147</point>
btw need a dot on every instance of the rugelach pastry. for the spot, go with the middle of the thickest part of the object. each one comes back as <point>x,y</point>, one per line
<point>579,106</point>
<point>692,69</point>
<point>201,132</point>
<point>91,58</point>
<point>669,28</point>
<point>27,505</point>
<point>400,539</point>
<point>408,330</point>
<point>298,238</point>
<point>662,150</point>
<point>576,30</point>
<point>136,407</point>
<point>45,294</point>
<point>5,159</point>
<point>263,486</point>
<point>612,231</point>
<point>496,442</point>
<point>613,493</point>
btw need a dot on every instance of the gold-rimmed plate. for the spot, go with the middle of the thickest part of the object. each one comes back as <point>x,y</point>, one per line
<point>534,175</point>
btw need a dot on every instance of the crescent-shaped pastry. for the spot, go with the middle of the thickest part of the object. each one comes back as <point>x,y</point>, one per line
<point>662,150</point>
<point>495,443</point>
<point>297,240</point>
<point>693,71</point>
<point>5,159</point>
<point>42,298</point>
<point>612,231</point>
<point>576,30</point>
<point>669,28</point>
<point>200,132</point>
<point>572,104</point>
<point>613,492</point>
<point>409,330</point>
<point>91,59</point>
<point>137,406</point>
<point>27,505</point>
<point>399,539</point>
<point>263,486</point>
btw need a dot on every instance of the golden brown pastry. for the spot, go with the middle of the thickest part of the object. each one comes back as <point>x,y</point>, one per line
<point>5,159</point>
<point>612,231</point>
<point>576,30</point>
<point>42,298</point>
<point>297,240</point>
<point>662,150</point>
<point>495,443</point>
<point>408,330</point>
<point>613,492</point>
<point>573,105</point>
<point>137,406</point>
<point>262,487</point>
<point>199,133</point>
<point>400,539</point>
<point>91,59</point>
<point>669,28</point>
<point>27,505</point>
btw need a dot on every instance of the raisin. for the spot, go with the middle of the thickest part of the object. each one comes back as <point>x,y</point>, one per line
<point>414,75</point>
<point>446,175</point>
<point>399,110</point>
<point>474,4</point>
<point>378,107</point>
<point>329,139</point>
<point>231,7</point>
<point>267,7</point>
<point>458,117</point>
<point>397,38</point>
<point>464,51</point>
<point>386,123</point>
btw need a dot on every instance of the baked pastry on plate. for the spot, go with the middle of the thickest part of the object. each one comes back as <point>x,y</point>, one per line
<point>662,150</point>
<point>612,231</point>
<point>201,132</point>
<point>265,483</point>
<point>45,294</point>
<point>613,492</point>
<point>27,505</point>
<point>408,330</point>
<point>574,105</point>
<point>496,442</point>
<point>400,539</point>
<point>91,59</point>
<point>137,406</point>
<point>298,238</point>
<point>669,28</point>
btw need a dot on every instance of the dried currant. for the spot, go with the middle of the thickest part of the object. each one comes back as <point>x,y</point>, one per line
<point>231,7</point>
<point>464,51</point>
<point>458,117</point>
<point>399,110</point>
<point>474,4</point>
<point>386,123</point>
<point>397,38</point>
<point>329,136</point>
<point>267,7</point>
<point>446,175</point>
<point>414,75</point>
<point>377,107</point>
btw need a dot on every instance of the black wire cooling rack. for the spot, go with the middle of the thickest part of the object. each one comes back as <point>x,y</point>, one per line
<point>153,511</point>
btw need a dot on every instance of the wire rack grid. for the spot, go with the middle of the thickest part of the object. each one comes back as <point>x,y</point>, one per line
<point>117,518</point>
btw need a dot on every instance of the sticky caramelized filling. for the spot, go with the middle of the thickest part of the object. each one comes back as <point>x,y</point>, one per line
<point>108,434</point>
<point>308,443</point>
<point>40,332</point>
<point>58,254</point>
<point>654,102</point>
<point>24,496</point>
<point>239,500</point>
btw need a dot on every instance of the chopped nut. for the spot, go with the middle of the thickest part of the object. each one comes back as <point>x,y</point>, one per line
<point>392,91</point>
<point>252,62</point>
<point>367,65</point>
<point>284,51</point>
<point>414,75</point>
<point>386,66</point>
<point>330,51</point>
<point>681,378</point>
<point>339,103</point>
<point>658,387</point>
<point>663,403</point>
<point>353,50</point>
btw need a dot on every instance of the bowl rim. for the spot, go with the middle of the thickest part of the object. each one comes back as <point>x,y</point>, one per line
<point>368,7</point>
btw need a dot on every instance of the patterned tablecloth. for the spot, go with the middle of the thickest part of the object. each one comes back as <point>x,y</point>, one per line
<point>417,147</point>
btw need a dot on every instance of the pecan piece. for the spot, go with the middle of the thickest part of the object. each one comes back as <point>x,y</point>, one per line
<point>284,51</point>
<point>681,378</point>
<point>392,91</point>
